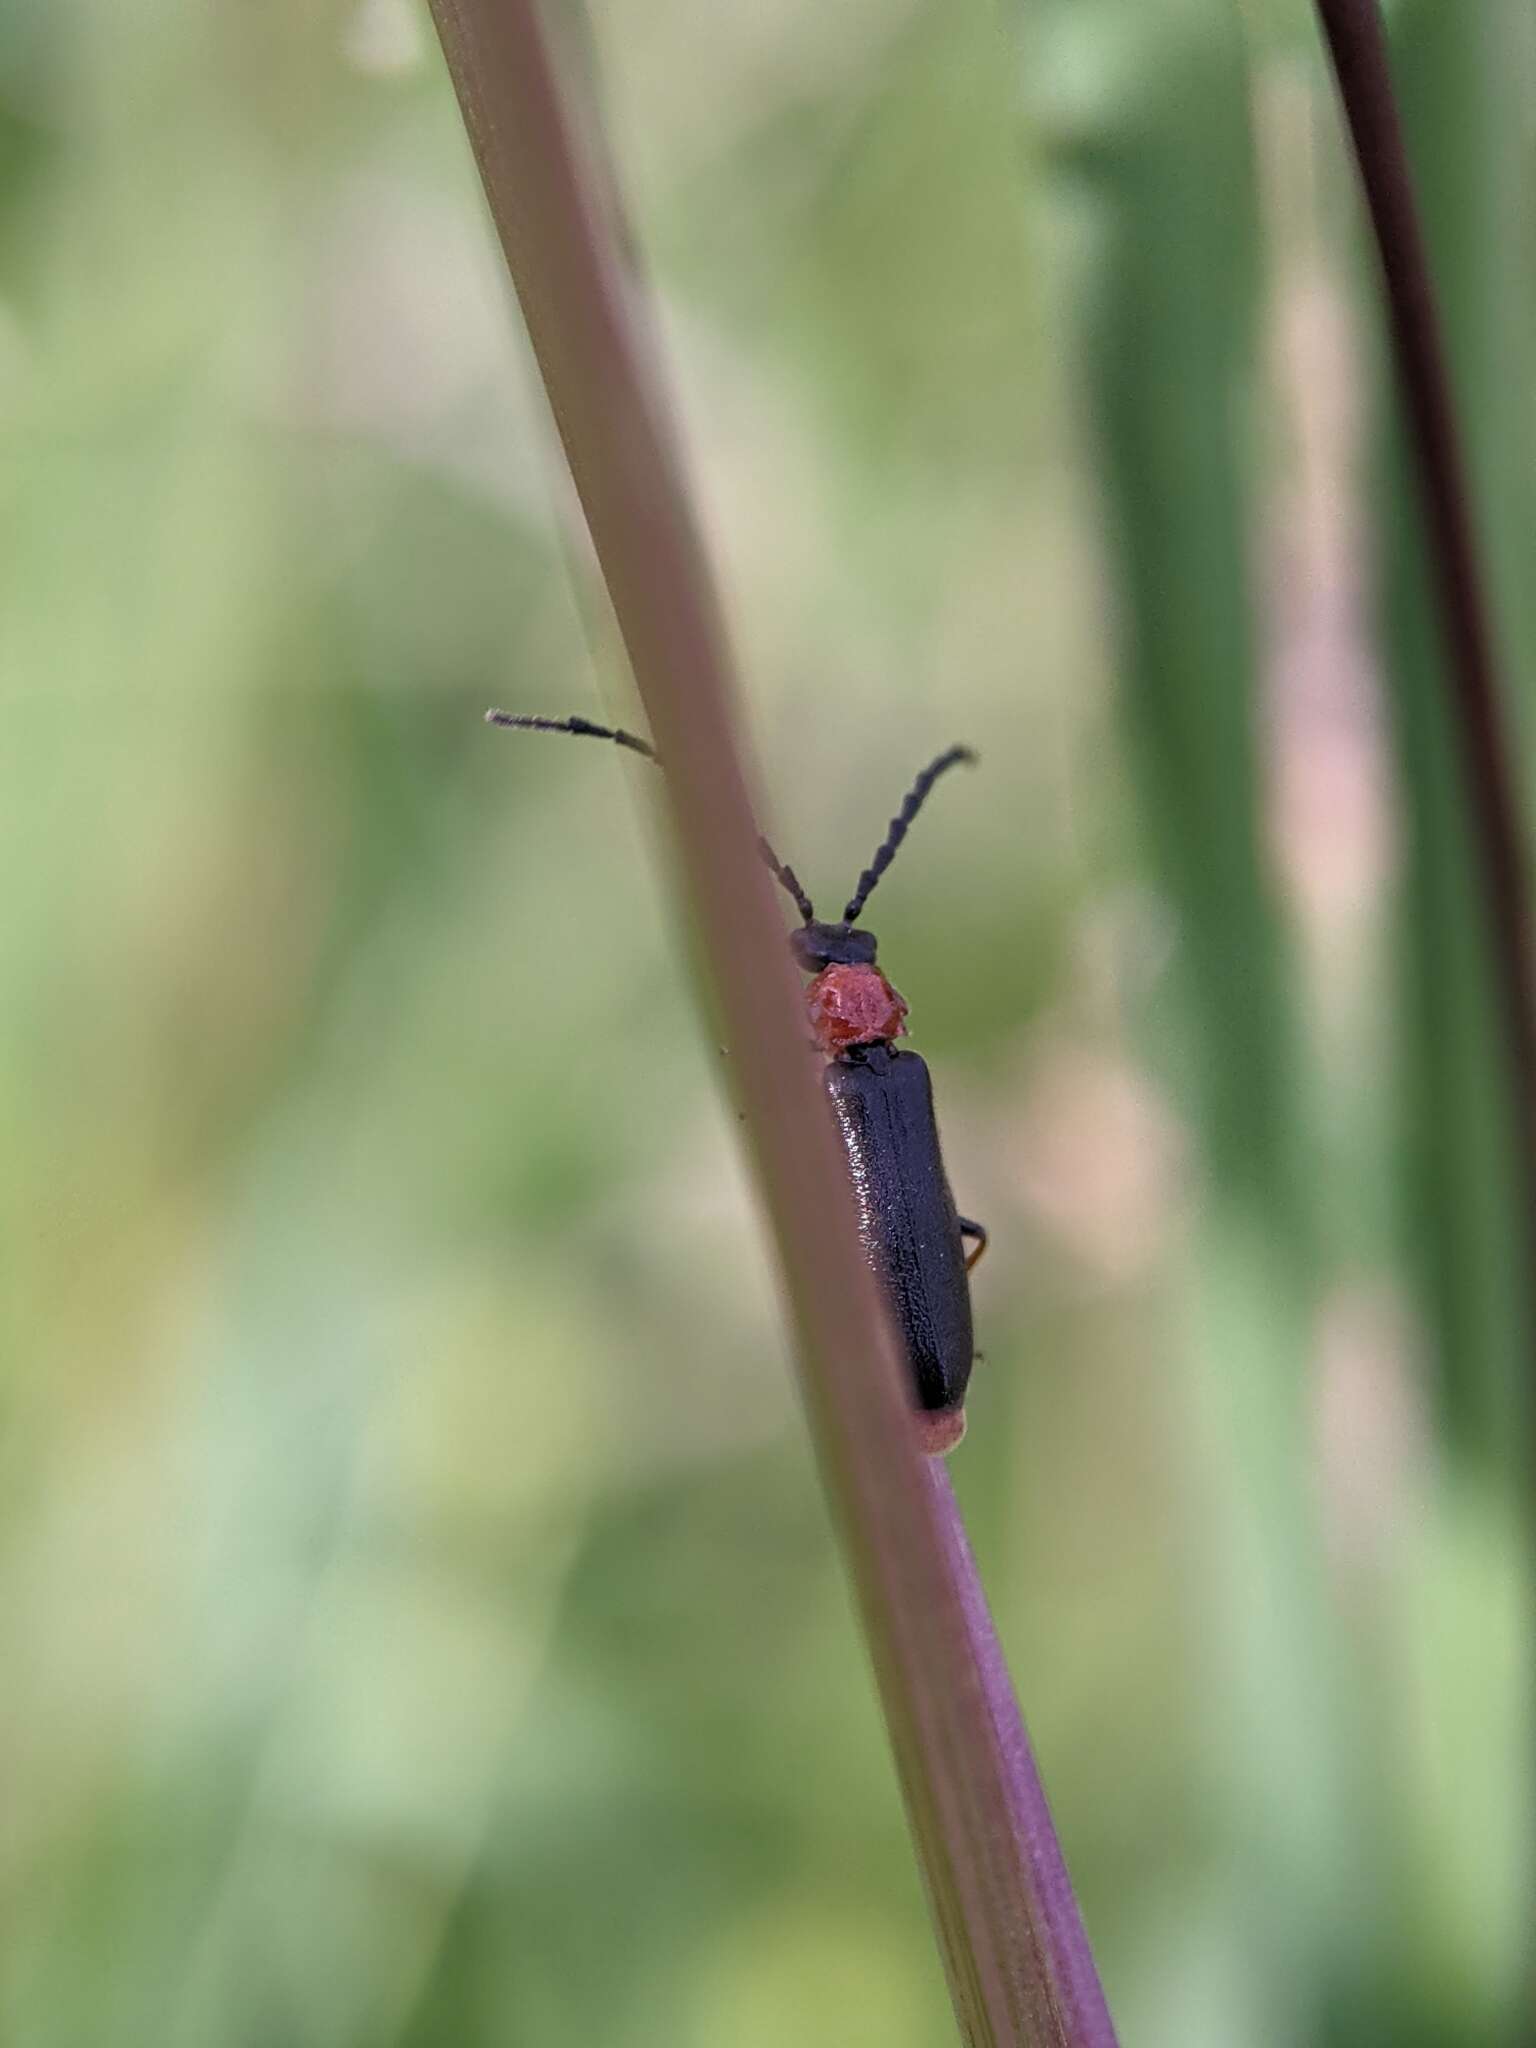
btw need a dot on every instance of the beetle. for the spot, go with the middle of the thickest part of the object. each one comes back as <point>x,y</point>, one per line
<point>882,1100</point>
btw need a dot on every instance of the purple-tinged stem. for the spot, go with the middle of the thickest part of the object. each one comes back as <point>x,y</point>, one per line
<point>1079,1994</point>
<point>980,1827</point>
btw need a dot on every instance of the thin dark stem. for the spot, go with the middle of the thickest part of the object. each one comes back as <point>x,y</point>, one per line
<point>1478,699</point>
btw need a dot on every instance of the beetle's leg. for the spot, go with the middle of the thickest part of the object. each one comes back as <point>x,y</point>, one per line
<point>978,1231</point>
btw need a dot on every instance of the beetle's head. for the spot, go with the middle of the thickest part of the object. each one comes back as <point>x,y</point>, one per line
<point>831,945</point>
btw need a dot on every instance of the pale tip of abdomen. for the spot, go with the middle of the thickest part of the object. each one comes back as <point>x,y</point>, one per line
<point>938,1430</point>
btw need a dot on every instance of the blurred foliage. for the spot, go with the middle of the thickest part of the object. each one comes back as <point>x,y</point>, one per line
<point>419,1620</point>
<point>1466,110</point>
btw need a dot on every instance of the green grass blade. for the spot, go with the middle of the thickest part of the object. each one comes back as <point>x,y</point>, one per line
<point>1162,162</point>
<point>1460,85</point>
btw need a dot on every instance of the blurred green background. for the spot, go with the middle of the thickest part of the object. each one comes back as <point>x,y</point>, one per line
<point>418,1617</point>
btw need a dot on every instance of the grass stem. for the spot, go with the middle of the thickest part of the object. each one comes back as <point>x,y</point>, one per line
<point>1018,1966</point>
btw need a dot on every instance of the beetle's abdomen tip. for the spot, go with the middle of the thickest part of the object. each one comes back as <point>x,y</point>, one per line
<point>939,1430</point>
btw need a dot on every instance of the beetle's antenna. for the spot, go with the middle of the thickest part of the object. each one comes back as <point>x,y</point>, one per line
<point>787,880</point>
<point>584,729</point>
<point>911,804</point>
<point>580,728</point>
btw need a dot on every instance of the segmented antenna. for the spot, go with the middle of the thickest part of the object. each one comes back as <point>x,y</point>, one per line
<point>911,804</point>
<point>787,880</point>
<point>584,729</point>
<point>580,728</point>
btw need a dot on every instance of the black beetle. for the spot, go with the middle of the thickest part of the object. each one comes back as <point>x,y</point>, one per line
<point>912,1234</point>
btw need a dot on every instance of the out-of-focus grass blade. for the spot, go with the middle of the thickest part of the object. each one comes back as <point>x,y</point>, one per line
<point>1464,95</point>
<point>1158,147</point>
<point>1144,111</point>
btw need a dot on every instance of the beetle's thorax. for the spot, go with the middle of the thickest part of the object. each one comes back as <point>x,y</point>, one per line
<point>851,1006</point>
